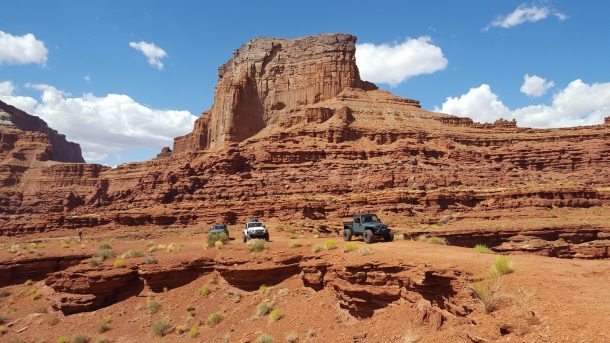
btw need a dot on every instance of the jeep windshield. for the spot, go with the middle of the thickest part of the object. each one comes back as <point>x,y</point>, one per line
<point>255,224</point>
<point>370,218</point>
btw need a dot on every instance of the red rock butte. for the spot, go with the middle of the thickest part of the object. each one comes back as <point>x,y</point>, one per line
<point>294,134</point>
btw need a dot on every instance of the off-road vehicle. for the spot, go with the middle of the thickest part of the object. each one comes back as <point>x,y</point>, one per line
<point>368,226</point>
<point>219,228</point>
<point>255,229</point>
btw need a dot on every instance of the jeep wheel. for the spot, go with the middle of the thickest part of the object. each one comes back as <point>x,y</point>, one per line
<point>347,235</point>
<point>245,238</point>
<point>389,237</point>
<point>368,236</point>
<point>267,237</point>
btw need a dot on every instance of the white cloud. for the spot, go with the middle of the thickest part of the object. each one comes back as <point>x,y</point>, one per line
<point>577,104</point>
<point>395,63</point>
<point>525,14</point>
<point>535,85</point>
<point>110,125</point>
<point>151,51</point>
<point>87,78</point>
<point>21,49</point>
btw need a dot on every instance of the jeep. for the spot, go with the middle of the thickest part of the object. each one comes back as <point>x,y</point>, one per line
<point>368,226</point>
<point>255,229</point>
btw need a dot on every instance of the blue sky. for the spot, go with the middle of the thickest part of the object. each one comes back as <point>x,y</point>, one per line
<point>90,70</point>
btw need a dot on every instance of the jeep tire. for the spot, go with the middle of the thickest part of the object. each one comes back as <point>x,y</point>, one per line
<point>347,235</point>
<point>245,238</point>
<point>368,236</point>
<point>389,237</point>
<point>267,236</point>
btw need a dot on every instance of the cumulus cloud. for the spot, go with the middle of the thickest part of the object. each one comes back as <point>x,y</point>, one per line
<point>153,53</point>
<point>395,63</point>
<point>535,86</point>
<point>114,124</point>
<point>578,103</point>
<point>24,49</point>
<point>525,14</point>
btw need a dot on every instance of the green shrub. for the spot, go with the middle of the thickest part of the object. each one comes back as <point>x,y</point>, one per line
<point>15,248</point>
<point>80,339</point>
<point>180,329</point>
<point>350,246</point>
<point>481,248</point>
<point>276,315</point>
<point>162,327</point>
<point>264,338</point>
<point>218,244</point>
<point>293,243</point>
<point>486,291</point>
<point>132,254</point>
<point>31,246</point>
<point>106,254</point>
<point>119,263</point>
<point>152,306</point>
<point>330,244</point>
<point>432,240</point>
<point>205,291</point>
<point>105,246</point>
<point>95,261</point>
<point>292,337</point>
<point>263,289</point>
<point>256,245</point>
<point>283,292</point>
<point>501,266</point>
<point>214,318</point>
<point>150,259</point>
<point>104,325</point>
<point>263,308</point>
<point>194,331</point>
<point>63,339</point>
<point>218,237</point>
<point>399,237</point>
<point>174,247</point>
<point>365,251</point>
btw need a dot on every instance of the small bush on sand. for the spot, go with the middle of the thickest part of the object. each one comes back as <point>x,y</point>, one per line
<point>264,338</point>
<point>174,247</point>
<point>15,248</point>
<point>432,240</point>
<point>194,331</point>
<point>4,293</point>
<point>152,306</point>
<point>481,248</point>
<point>522,299</point>
<point>218,237</point>
<point>218,244</point>
<point>330,244</point>
<point>292,337</point>
<point>63,339</point>
<point>132,254</point>
<point>214,318</point>
<point>317,248</point>
<point>256,245</point>
<point>276,315</point>
<point>3,330</point>
<point>150,259</point>
<point>105,246</point>
<point>106,254</point>
<point>102,339</point>
<point>365,251</point>
<point>95,261</point>
<point>502,266</point>
<point>263,289</point>
<point>80,339</point>
<point>399,237</point>
<point>205,291</point>
<point>64,244</point>
<point>263,308</point>
<point>293,243</point>
<point>53,320</point>
<point>104,325</point>
<point>486,291</point>
<point>162,327</point>
<point>2,319</point>
<point>350,246</point>
<point>283,292</point>
<point>119,263</point>
<point>179,329</point>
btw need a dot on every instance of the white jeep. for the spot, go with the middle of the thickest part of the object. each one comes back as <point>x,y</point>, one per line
<point>255,229</point>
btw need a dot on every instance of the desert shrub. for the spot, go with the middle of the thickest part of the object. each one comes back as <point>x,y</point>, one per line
<point>3,330</point>
<point>256,245</point>
<point>174,247</point>
<point>263,289</point>
<point>4,293</point>
<point>150,259</point>
<point>218,244</point>
<point>317,248</point>
<point>481,248</point>
<point>410,337</point>
<point>40,309</point>
<point>106,254</point>
<point>53,320</point>
<point>64,244</point>
<point>119,263</point>
<point>218,237</point>
<point>162,327</point>
<point>205,291</point>
<point>521,299</point>
<point>330,244</point>
<point>365,251</point>
<point>502,265</point>
<point>486,291</point>
<point>283,292</point>
<point>33,293</point>
<point>292,337</point>
<point>292,235</point>
<point>80,339</point>
<point>263,308</point>
<point>2,319</point>
<point>310,333</point>
<point>350,246</point>
<point>293,243</point>
<point>264,338</point>
<point>104,246</point>
<point>14,248</point>
<point>104,325</point>
<point>95,261</point>
<point>432,240</point>
<point>28,282</point>
<point>152,306</point>
<point>180,329</point>
<point>276,315</point>
<point>31,246</point>
<point>63,339</point>
<point>153,248</point>
<point>102,339</point>
<point>214,318</point>
<point>399,237</point>
<point>132,254</point>
<point>194,331</point>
